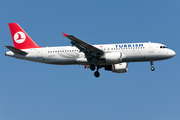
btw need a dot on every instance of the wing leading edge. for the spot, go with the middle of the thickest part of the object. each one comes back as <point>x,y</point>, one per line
<point>84,47</point>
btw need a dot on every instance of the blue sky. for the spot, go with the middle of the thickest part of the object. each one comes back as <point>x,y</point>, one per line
<point>30,90</point>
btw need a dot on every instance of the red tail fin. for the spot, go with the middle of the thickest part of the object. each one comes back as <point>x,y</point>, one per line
<point>20,39</point>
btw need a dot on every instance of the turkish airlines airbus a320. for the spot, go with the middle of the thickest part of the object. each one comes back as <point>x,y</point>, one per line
<point>113,57</point>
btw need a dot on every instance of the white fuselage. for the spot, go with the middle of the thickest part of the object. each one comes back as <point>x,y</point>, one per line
<point>67,55</point>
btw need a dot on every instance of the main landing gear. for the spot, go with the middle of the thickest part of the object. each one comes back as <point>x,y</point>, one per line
<point>152,68</point>
<point>92,67</point>
<point>96,74</point>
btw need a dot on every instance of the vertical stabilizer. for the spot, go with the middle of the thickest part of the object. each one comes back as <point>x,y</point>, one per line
<point>20,38</point>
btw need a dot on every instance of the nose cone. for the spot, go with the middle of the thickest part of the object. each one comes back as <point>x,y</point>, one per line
<point>172,53</point>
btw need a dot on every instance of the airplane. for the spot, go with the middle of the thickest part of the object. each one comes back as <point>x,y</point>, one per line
<point>111,57</point>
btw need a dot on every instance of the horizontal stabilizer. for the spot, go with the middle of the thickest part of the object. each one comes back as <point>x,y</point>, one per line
<point>15,50</point>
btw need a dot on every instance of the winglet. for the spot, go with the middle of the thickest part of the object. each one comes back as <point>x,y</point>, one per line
<point>64,34</point>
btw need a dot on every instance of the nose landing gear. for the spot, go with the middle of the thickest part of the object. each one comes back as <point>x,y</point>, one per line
<point>152,68</point>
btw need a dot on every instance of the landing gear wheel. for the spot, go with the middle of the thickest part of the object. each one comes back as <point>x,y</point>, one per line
<point>92,67</point>
<point>152,68</point>
<point>96,74</point>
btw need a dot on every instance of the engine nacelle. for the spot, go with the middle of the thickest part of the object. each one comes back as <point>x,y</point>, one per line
<point>115,57</point>
<point>117,68</point>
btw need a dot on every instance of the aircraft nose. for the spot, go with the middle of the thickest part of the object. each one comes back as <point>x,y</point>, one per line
<point>172,53</point>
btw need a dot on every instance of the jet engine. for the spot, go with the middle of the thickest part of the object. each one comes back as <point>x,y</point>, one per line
<point>117,68</point>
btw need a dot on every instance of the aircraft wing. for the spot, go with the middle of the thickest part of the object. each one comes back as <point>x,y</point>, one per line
<point>87,48</point>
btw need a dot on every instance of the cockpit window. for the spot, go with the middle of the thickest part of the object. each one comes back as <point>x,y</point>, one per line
<point>163,47</point>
